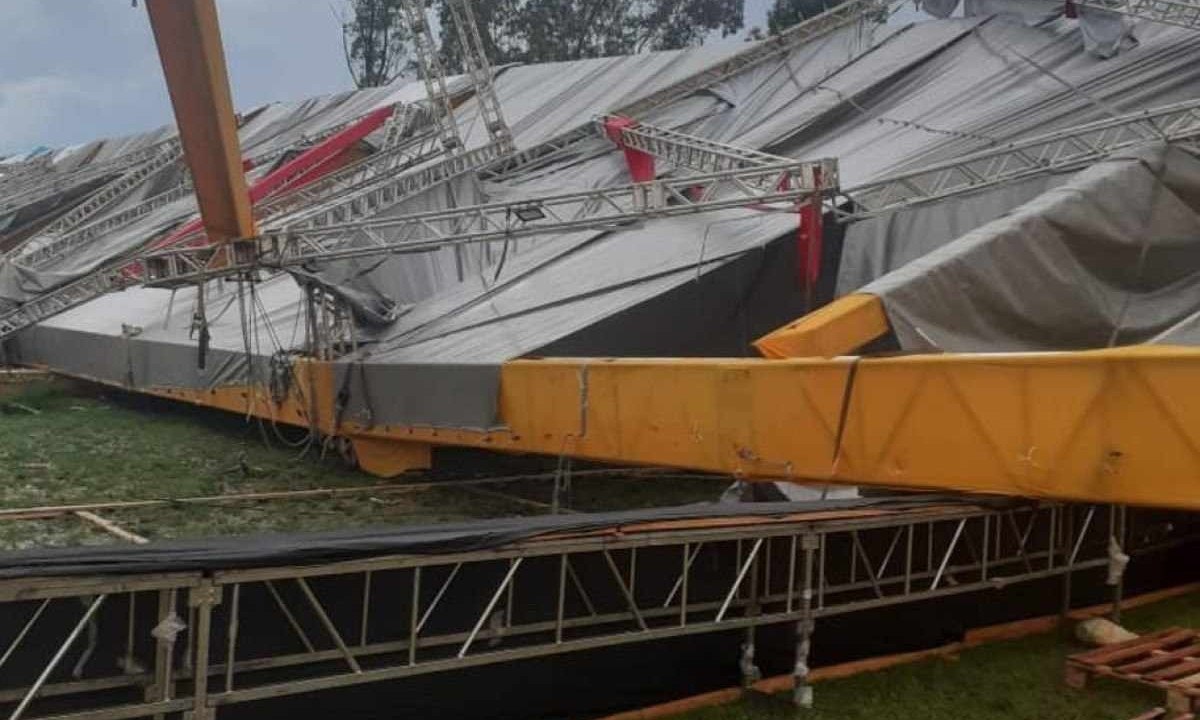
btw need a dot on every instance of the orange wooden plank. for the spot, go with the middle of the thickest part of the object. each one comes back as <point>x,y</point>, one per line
<point>1162,660</point>
<point>1117,652</point>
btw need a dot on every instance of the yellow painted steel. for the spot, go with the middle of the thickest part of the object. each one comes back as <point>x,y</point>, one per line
<point>839,328</point>
<point>1118,425</point>
<point>189,45</point>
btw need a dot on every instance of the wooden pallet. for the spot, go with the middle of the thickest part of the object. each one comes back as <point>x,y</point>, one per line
<point>1168,660</point>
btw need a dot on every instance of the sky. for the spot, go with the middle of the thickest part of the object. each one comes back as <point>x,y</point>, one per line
<point>77,70</point>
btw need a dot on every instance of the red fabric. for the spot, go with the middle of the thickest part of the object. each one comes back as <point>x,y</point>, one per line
<point>1070,10</point>
<point>315,157</point>
<point>318,154</point>
<point>810,239</point>
<point>809,244</point>
<point>641,164</point>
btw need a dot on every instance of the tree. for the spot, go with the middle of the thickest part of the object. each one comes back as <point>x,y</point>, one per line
<point>552,30</point>
<point>786,13</point>
<point>375,40</point>
<point>535,30</point>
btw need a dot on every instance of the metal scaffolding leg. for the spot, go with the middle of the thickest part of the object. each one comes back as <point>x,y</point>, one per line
<point>202,600</point>
<point>1117,559</point>
<point>164,650</point>
<point>802,692</point>
<point>749,669</point>
<point>729,579</point>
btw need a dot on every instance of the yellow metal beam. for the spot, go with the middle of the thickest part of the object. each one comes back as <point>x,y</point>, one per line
<point>189,45</point>
<point>1112,426</point>
<point>839,328</point>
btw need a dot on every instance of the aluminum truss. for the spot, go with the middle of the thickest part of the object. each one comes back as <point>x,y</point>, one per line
<point>683,150</point>
<point>55,183</point>
<point>375,184</point>
<point>39,257</point>
<point>1056,152</point>
<point>199,643</point>
<point>433,74</point>
<point>100,201</point>
<point>71,295</point>
<point>352,205</point>
<point>475,61</point>
<point>582,210</point>
<point>774,48</point>
<point>402,124</point>
<point>1171,12</point>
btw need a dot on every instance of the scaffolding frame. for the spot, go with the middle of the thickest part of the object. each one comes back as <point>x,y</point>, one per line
<point>578,592</point>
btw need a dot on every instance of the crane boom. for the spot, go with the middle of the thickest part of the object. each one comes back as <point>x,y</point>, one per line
<point>188,37</point>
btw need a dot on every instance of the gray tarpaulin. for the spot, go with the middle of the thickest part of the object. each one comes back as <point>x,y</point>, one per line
<point>268,550</point>
<point>878,245</point>
<point>880,99</point>
<point>1112,257</point>
<point>1104,33</point>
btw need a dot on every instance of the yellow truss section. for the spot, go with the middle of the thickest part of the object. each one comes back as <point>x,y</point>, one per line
<point>1110,426</point>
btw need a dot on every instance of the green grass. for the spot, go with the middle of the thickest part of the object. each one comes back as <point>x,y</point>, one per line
<point>86,445</point>
<point>1015,680</point>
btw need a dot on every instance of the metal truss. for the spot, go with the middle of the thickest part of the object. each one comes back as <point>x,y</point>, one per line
<point>71,295</point>
<point>475,61</point>
<point>582,210</point>
<point>373,184</point>
<point>1171,12</point>
<point>433,74</point>
<point>371,197</point>
<point>684,150</point>
<point>773,48</point>
<point>1056,152</point>
<point>197,643</point>
<point>55,183</point>
<point>99,201</point>
<point>405,120</point>
<point>40,255</point>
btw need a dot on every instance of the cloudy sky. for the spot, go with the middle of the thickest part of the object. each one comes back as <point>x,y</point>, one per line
<point>75,70</point>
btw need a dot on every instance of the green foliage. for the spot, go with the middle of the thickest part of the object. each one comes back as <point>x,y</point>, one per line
<point>60,447</point>
<point>554,30</point>
<point>786,13</point>
<point>529,31</point>
<point>374,38</point>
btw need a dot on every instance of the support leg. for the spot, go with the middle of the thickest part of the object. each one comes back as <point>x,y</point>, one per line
<point>165,633</point>
<point>749,669</point>
<point>1117,559</point>
<point>1068,560</point>
<point>802,692</point>
<point>202,599</point>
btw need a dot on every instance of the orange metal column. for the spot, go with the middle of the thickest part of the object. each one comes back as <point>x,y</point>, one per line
<point>189,45</point>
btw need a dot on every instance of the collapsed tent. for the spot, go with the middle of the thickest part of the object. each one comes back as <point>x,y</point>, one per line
<point>880,99</point>
<point>1111,257</point>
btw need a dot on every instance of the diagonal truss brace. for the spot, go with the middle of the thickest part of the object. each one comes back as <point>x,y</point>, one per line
<point>1056,152</point>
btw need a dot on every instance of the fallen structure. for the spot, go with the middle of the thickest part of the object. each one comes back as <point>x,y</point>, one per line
<point>411,284</point>
<point>965,248</point>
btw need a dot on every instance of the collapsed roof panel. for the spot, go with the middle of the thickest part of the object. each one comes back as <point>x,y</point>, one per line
<point>879,99</point>
<point>1111,257</point>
